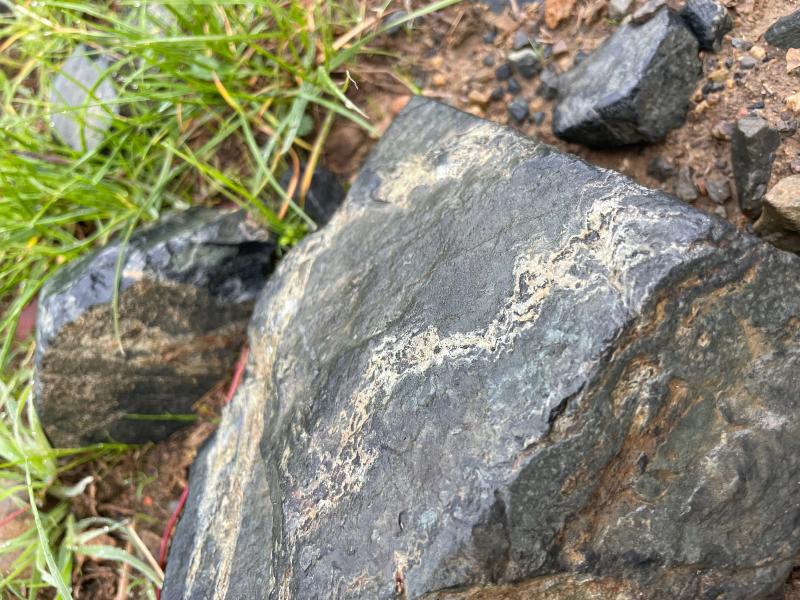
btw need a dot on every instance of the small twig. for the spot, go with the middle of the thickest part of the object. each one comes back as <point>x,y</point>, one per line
<point>237,373</point>
<point>10,517</point>
<point>145,551</point>
<point>292,183</point>
<point>314,158</point>
<point>124,575</point>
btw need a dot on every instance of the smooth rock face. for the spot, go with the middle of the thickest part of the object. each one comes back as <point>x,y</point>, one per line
<point>634,88</point>
<point>785,32</point>
<point>709,21</point>
<point>780,219</point>
<point>187,291</point>
<point>753,147</point>
<point>82,108</point>
<point>500,368</point>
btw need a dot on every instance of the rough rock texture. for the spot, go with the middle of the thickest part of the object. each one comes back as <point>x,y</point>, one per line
<point>187,291</point>
<point>753,147</point>
<point>780,217</point>
<point>785,32</point>
<point>634,88</point>
<point>501,368</point>
<point>82,108</point>
<point>709,21</point>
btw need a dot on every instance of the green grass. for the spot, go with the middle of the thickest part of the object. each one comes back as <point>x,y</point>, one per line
<point>217,101</point>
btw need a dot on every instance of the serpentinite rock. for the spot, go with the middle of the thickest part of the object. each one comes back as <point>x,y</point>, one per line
<point>501,372</point>
<point>187,291</point>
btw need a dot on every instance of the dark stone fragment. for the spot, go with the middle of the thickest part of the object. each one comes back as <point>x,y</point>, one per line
<point>450,392</point>
<point>514,86</point>
<point>684,185</point>
<point>729,62</point>
<point>634,88</point>
<point>753,147</point>
<point>502,72</point>
<point>538,117</point>
<point>787,127</point>
<point>660,169</point>
<point>758,105</point>
<point>527,62</point>
<point>521,39</point>
<point>548,84</point>
<point>324,195</point>
<point>712,87</point>
<point>580,56</point>
<point>518,110</point>
<point>488,60</point>
<point>718,188</point>
<point>747,62</point>
<point>498,93</point>
<point>741,44</point>
<point>490,37</point>
<point>785,32</point>
<point>187,288</point>
<point>709,21</point>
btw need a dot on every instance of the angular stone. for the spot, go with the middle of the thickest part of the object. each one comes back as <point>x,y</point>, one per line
<point>499,366</point>
<point>780,218</point>
<point>548,84</point>
<point>684,185</point>
<point>527,62</point>
<point>753,147</point>
<point>634,88</point>
<point>82,108</point>
<point>785,32</point>
<point>187,291</point>
<point>619,8</point>
<point>709,21</point>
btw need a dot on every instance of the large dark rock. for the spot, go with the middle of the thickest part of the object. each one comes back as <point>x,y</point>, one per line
<point>633,88</point>
<point>709,21</point>
<point>785,32</point>
<point>187,291</point>
<point>501,366</point>
<point>753,146</point>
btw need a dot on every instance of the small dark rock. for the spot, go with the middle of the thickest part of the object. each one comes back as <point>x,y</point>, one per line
<point>785,32</point>
<point>186,293</point>
<point>393,25</point>
<point>538,117</point>
<point>498,93</point>
<point>502,72</point>
<point>660,169</point>
<point>490,36</point>
<point>741,44</point>
<point>712,87</point>
<point>718,188</point>
<point>548,84</point>
<point>647,11</point>
<point>758,105</point>
<point>634,88</point>
<point>709,21</point>
<point>518,110</point>
<point>324,196</point>
<point>753,149</point>
<point>521,39</point>
<point>722,131</point>
<point>526,62</point>
<point>787,127</point>
<point>729,62</point>
<point>684,185</point>
<point>747,62</point>
<point>488,60</point>
<point>514,86</point>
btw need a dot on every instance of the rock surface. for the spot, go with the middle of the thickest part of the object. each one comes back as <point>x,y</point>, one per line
<point>709,21</point>
<point>500,369</point>
<point>634,88</point>
<point>82,108</point>
<point>526,62</point>
<point>780,219</point>
<point>619,8</point>
<point>785,32</point>
<point>753,147</point>
<point>187,291</point>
